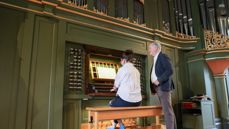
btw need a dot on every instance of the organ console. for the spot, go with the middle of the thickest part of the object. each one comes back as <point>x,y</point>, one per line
<point>91,70</point>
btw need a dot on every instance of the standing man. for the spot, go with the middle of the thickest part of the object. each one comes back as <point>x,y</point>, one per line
<point>161,82</point>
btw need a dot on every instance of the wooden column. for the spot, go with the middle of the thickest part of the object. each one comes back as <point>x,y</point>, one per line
<point>218,68</point>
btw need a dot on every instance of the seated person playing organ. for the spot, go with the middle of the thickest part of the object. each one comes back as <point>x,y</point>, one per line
<point>127,84</point>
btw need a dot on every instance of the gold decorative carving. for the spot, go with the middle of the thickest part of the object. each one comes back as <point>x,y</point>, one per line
<point>184,36</point>
<point>214,40</point>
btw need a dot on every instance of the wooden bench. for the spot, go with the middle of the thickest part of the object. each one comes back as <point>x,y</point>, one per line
<point>96,114</point>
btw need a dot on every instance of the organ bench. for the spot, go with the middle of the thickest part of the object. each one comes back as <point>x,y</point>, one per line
<point>96,114</point>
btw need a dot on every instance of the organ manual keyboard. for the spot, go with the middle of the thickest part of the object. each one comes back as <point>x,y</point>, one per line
<point>102,72</point>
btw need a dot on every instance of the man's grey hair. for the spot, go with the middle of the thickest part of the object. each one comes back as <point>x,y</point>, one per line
<point>156,43</point>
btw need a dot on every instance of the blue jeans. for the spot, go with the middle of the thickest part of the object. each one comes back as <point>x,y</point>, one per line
<point>118,102</point>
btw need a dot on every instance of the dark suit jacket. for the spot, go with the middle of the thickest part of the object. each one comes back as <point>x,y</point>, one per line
<point>164,71</point>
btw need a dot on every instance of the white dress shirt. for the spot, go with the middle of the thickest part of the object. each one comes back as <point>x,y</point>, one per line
<point>153,74</point>
<point>127,81</point>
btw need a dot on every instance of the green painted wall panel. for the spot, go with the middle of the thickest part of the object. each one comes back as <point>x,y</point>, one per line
<point>72,114</point>
<point>196,75</point>
<point>101,38</point>
<point>25,38</point>
<point>9,65</point>
<point>43,73</point>
<point>59,78</point>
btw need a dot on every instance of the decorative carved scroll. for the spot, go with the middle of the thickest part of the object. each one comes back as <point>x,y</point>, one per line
<point>214,40</point>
